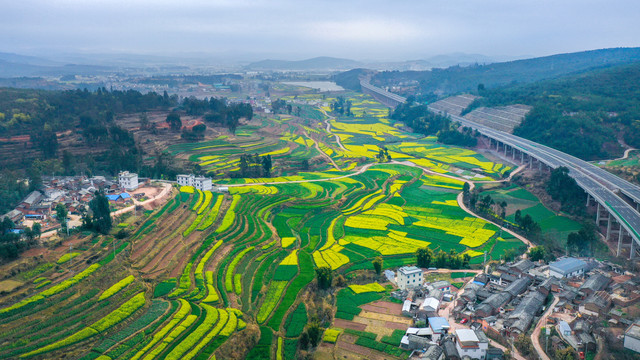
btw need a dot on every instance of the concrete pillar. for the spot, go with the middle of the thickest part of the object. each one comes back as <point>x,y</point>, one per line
<point>632,251</point>
<point>505,149</point>
<point>609,221</point>
<point>513,153</point>
<point>539,165</point>
<point>620,235</point>
<point>588,198</point>
<point>522,157</point>
<point>497,145</point>
<point>598,214</point>
<point>530,161</point>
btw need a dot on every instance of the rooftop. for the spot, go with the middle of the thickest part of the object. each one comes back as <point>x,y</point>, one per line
<point>567,265</point>
<point>409,270</point>
<point>596,282</point>
<point>438,324</point>
<point>467,335</point>
<point>633,331</point>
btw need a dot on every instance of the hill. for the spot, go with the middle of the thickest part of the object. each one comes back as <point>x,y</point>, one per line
<point>587,115</point>
<point>460,79</point>
<point>317,63</point>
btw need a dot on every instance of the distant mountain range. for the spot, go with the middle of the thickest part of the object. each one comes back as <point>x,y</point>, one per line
<point>325,63</point>
<point>459,79</point>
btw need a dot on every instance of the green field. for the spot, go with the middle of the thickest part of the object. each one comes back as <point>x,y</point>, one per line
<point>202,273</point>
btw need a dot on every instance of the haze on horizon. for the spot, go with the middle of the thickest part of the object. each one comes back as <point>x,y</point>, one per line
<point>288,29</point>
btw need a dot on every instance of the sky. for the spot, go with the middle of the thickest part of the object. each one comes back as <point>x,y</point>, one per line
<point>388,30</point>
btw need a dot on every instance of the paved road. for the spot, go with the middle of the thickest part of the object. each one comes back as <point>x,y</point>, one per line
<point>535,336</point>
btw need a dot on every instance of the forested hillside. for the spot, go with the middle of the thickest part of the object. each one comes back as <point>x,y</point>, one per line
<point>460,79</point>
<point>584,115</point>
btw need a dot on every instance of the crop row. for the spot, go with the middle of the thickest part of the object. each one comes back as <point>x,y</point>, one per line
<point>115,317</point>
<point>52,290</point>
<point>116,287</point>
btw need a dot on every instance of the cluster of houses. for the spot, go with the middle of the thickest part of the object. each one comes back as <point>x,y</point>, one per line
<point>74,192</point>
<point>510,300</point>
<point>432,336</point>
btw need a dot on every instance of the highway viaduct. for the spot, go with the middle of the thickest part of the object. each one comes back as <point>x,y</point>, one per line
<point>622,216</point>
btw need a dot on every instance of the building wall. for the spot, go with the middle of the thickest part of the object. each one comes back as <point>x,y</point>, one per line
<point>632,343</point>
<point>561,275</point>
<point>413,280</point>
<point>475,353</point>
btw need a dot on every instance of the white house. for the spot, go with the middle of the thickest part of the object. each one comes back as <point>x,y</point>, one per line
<point>409,277</point>
<point>199,182</point>
<point>127,180</point>
<point>567,267</point>
<point>632,337</point>
<point>473,344</point>
<point>429,307</point>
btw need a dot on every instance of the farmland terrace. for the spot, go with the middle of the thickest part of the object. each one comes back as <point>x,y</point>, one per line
<point>604,187</point>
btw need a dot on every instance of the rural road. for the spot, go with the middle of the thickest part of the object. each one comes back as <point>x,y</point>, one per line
<point>329,128</point>
<point>535,336</point>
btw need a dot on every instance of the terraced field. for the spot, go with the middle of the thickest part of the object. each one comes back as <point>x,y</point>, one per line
<point>227,275</point>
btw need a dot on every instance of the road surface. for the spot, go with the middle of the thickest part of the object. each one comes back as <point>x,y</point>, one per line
<point>535,336</point>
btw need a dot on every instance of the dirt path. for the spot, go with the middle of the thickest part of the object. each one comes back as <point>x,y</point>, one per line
<point>166,191</point>
<point>535,336</point>
<point>329,128</point>
<point>315,143</point>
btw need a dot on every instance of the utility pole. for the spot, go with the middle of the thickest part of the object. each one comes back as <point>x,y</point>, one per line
<point>548,332</point>
<point>484,262</point>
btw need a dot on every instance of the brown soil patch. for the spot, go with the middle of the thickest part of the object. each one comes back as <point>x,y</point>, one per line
<point>395,325</point>
<point>384,307</point>
<point>360,350</point>
<point>346,324</point>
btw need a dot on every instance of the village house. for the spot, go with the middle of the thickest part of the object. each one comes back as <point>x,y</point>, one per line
<point>632,337</point>
<point>199,182</point>
<point>567,267</point>
<point>408,277</point>
<point>127,180</point>
<point>473,344</point>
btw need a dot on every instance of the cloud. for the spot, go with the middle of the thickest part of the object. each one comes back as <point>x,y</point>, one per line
<point>304,28</point>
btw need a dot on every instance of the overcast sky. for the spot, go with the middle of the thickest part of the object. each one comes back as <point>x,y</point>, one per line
<point>361,29</point>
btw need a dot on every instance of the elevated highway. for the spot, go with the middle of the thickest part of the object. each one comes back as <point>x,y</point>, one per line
<point>623,219</point>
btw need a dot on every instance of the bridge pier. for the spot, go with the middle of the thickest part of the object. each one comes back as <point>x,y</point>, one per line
<point>609,221</point>
<point>632,250</point>
<point>620,236</point>
<point>588,199</point>
<point>522,157</point>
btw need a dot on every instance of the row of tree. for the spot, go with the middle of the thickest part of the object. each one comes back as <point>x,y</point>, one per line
<point>425,257</point>
<point>255,166</point>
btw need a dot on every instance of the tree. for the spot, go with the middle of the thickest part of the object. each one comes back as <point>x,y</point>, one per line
<point>465,189</point>
<point>144,121</point>
<point>173,119</point>
<point>314,334</point>
<point>424,256</point>
<point>37,230</point>
<point>61,214</point>
<point>524,345</point>
<point>377,265</point>
<point>266,165</point>
<point>536,253</point>
<point>101,219</point>
<point>324,276</point>
<point>565,354</point>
